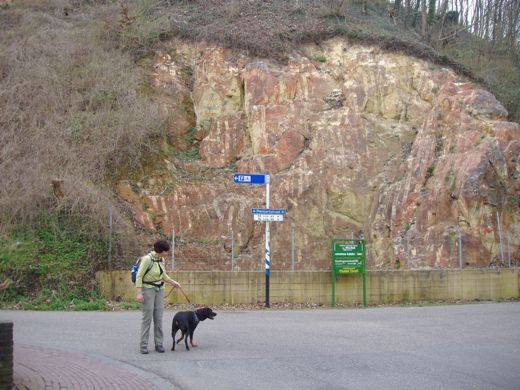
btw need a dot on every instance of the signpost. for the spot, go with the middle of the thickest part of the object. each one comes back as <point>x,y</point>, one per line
<point>348,257</point>
<point>268,215</point>
<point>250,178</point>
<point>264,215</point>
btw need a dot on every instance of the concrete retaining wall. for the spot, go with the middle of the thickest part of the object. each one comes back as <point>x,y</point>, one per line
<point>383,287</point>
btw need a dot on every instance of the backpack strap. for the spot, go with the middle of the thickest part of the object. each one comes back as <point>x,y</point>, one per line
<point>155,283</point>
<point>150,265</point>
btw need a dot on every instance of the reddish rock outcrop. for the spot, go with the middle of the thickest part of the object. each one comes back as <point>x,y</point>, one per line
<point>412,157</point>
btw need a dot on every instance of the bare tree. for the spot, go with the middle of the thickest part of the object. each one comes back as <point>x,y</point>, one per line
<point>408,11</point>
<point>442,14</point>
<point>424,19</point>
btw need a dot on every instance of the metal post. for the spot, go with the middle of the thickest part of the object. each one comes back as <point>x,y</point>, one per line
<point>292,249</point>
<point>173,249</point>
<point>112,280</point>
<point>333,273</point>
<point>364,274</point>
<point>267,245</point>
<point>408,259</point>
<point>110,238</point>
<point>232,249</point>
<point>508,250</point>
<point>460,250</point>
<point>500,237</point>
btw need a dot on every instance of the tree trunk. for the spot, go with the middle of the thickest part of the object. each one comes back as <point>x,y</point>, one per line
<point>424,19</point>
<point>444,7</point>
<point>476,18</point>
<point>407,11</point>
<point>416,12</point>
<point>397,7</point>
<point>431,12</point>
<point>513,31</point>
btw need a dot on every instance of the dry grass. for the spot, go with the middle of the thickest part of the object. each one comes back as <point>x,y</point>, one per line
<point>69,109</point>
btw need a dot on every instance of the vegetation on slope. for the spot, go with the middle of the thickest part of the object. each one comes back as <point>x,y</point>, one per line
<point>77,112</point>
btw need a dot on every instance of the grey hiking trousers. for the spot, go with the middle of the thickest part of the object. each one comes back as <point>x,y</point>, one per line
<point>153,308</point>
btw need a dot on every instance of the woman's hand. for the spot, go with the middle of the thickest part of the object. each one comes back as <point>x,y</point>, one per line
<point>139,297</point>
<point>175,284</point>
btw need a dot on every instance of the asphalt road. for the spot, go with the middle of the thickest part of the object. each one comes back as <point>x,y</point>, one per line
<point>475,346</point>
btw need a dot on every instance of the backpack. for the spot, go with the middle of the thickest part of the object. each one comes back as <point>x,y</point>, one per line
<point>135,268</point>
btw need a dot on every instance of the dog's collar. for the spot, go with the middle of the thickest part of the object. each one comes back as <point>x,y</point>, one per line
<point>196,318</point>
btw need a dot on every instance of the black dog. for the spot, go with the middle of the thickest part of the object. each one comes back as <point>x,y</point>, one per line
<point>187,321</point>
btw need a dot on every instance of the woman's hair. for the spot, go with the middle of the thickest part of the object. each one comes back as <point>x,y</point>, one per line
<point>161,246</point>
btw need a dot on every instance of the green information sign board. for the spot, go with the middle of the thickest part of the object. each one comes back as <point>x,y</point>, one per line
<point>348,257</point>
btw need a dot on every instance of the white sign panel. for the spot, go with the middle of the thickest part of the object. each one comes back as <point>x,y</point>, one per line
<point>268,217</point>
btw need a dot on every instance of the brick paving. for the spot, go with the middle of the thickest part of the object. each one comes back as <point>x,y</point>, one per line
<point>41,368</point>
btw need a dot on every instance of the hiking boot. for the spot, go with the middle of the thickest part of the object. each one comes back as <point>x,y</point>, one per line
<point>144,350</point>
<point>159,348</point>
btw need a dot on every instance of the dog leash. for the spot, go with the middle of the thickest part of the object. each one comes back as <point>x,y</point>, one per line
<point>185,296</point>
<point>183,293</point>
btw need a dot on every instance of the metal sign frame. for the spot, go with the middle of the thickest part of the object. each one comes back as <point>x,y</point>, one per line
<point>348,257</point>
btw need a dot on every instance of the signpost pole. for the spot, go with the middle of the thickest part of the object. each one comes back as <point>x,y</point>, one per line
<point>264,215</point>
<point>364,275</point>
<point>333,278</point>
<point>267,247</point>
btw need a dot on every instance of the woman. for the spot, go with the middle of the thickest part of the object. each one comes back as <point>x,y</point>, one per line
<point>149,283</point>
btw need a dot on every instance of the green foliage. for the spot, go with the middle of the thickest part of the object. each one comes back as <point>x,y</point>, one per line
<point>430,170</point>
<point>190,154</point>
<point>193,152</point>
<point>50,300</point>
<point>321,58</point>
<point>51,266</point>
<point>187,71</point>
<point>189,136</point>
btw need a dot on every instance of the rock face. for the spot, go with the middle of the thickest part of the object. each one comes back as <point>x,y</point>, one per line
<point>417,160</point>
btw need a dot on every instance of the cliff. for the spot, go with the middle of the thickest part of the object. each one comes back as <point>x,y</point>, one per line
<point>409,155</point>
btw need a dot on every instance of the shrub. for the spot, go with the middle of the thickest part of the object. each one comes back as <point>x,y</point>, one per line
<point>321,58</point>
<point>52,265</point>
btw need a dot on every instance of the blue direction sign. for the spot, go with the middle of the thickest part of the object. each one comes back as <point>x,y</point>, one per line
<point>250,178</point>
<point>268,211</point>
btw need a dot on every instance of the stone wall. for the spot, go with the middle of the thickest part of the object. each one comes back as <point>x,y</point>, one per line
<point>383,287</point>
